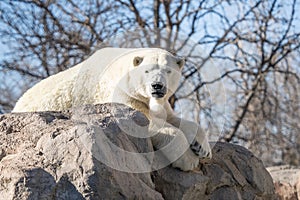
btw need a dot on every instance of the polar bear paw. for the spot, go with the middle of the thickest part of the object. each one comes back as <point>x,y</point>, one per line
<point>201,150</point>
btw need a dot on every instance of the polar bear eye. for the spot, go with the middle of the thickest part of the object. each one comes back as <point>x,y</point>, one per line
<point>137,61</point>
<point>169,71</point>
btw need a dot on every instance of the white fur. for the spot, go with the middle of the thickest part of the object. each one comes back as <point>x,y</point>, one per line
<point>109,75</point>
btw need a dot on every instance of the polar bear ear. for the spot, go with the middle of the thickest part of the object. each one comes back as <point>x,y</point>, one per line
<point>137,61</point>
<point>180,62</point>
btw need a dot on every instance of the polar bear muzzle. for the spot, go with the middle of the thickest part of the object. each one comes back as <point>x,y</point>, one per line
<point>158,90</point>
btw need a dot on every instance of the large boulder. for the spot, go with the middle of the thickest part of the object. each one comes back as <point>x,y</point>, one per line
<point>93,152</point>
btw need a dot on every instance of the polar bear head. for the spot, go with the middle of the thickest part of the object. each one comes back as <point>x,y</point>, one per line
<point>153,73</point>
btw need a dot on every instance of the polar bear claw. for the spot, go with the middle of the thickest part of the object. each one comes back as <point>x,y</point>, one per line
<point>202,152</point>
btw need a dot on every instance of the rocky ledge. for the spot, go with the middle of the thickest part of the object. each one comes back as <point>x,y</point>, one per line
<point>75,155</point>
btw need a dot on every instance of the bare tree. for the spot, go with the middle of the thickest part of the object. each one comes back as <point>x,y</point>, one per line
<point>45,37</point>
<point>250,49</point>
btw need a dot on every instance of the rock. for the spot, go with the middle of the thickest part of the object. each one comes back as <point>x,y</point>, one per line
<point>97,152</point>
<point>233,173</point>
<point>287,181</point>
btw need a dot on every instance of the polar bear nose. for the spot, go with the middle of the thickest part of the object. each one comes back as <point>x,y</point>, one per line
<point>158,90</point>
<point>157,86</point>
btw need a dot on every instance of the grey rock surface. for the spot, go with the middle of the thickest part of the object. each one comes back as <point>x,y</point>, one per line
<point>75,155</point>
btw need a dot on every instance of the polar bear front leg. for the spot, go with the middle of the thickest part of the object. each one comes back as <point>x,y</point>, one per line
<point>195,135</point>
<point>172,142</point>
<point>187,134</point>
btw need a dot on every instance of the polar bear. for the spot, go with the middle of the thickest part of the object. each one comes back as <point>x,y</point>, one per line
<point>142,78</point>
